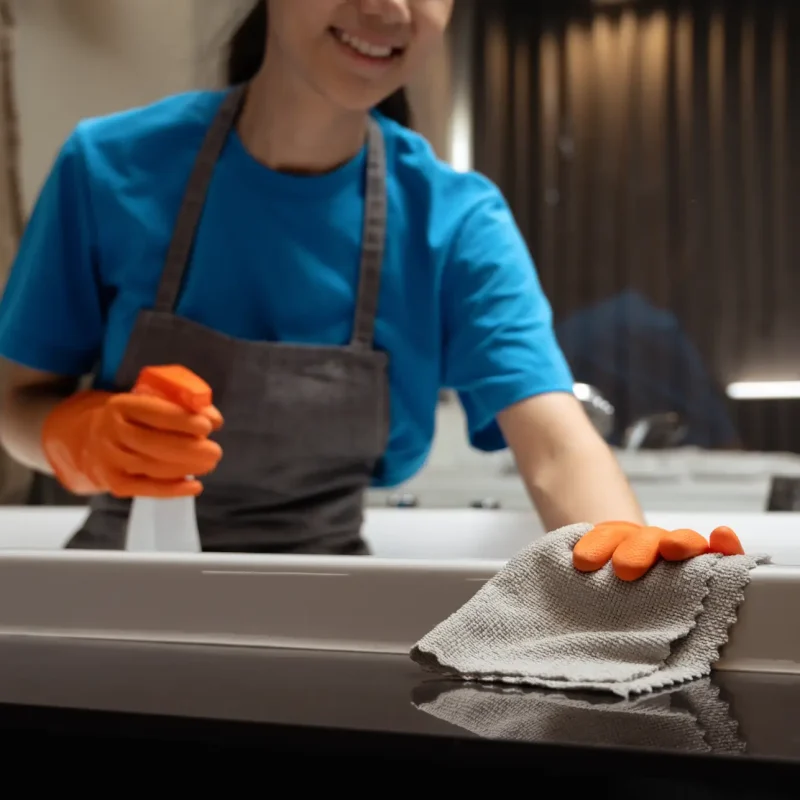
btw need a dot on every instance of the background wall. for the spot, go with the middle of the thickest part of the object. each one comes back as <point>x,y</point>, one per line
<point>80,58</point>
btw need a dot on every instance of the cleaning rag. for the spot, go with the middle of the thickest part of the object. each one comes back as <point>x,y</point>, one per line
<point>540,622</point>
<point>691,719</point>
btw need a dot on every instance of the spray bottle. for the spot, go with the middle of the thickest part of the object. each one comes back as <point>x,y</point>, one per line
<point>168,524</point>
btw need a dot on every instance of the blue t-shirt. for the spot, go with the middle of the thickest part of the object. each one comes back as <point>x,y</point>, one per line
<point>277,259</point>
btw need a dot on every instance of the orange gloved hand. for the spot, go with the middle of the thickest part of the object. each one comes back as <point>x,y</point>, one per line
<point>150,442</point>
<point>634,549</point>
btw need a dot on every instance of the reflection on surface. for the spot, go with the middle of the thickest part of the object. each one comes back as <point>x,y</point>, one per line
<point>741,714</point>
<point>694,718</point>
<point>733,713</point>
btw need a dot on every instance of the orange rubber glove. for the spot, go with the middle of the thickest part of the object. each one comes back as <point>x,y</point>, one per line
<point>634,549</point>
<point>147,443</point>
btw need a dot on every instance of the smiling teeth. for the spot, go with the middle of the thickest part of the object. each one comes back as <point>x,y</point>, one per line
<point>365,48</point>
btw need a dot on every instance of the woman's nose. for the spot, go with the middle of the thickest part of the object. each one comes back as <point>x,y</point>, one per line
<point>391,12</point>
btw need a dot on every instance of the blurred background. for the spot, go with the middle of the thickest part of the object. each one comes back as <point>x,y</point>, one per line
<point>648,150</point>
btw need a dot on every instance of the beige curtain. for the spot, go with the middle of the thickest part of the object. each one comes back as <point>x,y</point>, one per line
<point>15,481</point>
<point>430,97</point>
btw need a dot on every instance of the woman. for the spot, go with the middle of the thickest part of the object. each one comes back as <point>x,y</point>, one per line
<point>309,258</point>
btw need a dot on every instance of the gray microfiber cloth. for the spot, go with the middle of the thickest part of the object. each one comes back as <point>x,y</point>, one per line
<point>690,719</point>
<point>540,622</point>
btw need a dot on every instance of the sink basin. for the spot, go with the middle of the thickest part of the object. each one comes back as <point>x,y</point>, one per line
<point>426,564</point>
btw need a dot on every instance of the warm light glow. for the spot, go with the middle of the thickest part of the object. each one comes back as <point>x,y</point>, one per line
<point>461,138</point>
<point>764,390</point>
<point>461,116</point>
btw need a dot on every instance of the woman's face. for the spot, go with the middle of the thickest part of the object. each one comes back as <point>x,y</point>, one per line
<point>355,52</point>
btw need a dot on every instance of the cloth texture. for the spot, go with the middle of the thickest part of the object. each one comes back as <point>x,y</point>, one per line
<point>542,623</point>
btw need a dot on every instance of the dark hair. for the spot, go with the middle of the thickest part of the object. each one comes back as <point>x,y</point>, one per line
<point>246,53</point>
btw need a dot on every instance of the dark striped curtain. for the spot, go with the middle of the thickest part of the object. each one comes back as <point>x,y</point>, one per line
<point>649,151</point>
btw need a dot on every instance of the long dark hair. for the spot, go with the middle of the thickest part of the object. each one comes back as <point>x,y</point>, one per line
<point>246,53</point>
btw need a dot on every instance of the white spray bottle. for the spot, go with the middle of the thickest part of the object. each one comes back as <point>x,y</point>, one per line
<point>167,524</point>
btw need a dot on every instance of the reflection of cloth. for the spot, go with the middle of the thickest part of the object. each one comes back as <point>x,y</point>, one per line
<point>643,363</point>
<point>541,622</point>
<point>692,719</point>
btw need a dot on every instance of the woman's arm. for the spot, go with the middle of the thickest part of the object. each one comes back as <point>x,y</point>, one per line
<point>570,472</point>
<point>28,397</point>
<point>51,314</point>
<point>502,357</point>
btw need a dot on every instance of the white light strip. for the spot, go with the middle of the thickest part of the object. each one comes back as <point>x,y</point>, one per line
<point>461,138</point>
<point>764,390</point>
<point>462,32</point>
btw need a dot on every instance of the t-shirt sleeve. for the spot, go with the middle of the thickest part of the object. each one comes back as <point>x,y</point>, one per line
<point>499,347</point>
<point>51,315</point>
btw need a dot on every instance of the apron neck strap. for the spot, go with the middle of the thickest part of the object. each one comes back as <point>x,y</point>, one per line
<point>191,211</point>
<point>194,200</point>
<point>373,242</point>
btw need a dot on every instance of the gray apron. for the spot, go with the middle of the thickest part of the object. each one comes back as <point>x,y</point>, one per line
<point>305,426</point>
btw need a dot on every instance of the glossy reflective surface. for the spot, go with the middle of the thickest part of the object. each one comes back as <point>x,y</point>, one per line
<point>735,720</point>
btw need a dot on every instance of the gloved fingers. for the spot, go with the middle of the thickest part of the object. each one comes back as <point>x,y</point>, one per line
<point>636,554</point>
<point>124,486</point>
<point>214,416</point>
<point>682,544</point>
<point>161,415</point>
<point>595,548</point>
<point>146,465</point>
<point>634,549</point>
<point>188,454</point>
<point>723,540</point>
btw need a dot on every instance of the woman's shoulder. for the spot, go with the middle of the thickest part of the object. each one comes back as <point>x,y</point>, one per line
<point>148,132</point>
<point>444,192</point>
<point>181,113</point>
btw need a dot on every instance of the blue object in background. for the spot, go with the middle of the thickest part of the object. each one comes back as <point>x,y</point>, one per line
<point>643,363</point>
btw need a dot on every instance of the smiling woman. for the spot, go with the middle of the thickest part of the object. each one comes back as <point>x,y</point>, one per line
<point>314,262</point>
<point>248,48</point>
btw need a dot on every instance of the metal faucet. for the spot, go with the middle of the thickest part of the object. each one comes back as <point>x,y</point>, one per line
<point>597,408</point>
<point>655,432</point>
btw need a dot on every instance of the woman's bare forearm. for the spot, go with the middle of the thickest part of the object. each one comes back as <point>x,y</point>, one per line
<point>571,474</point>
<point>583,485</point>
<point>22,414</point>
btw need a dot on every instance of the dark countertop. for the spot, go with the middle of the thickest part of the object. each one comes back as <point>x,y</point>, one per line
<point>727,736</point>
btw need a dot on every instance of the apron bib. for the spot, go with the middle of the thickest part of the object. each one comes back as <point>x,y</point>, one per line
<point>305,426</point>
